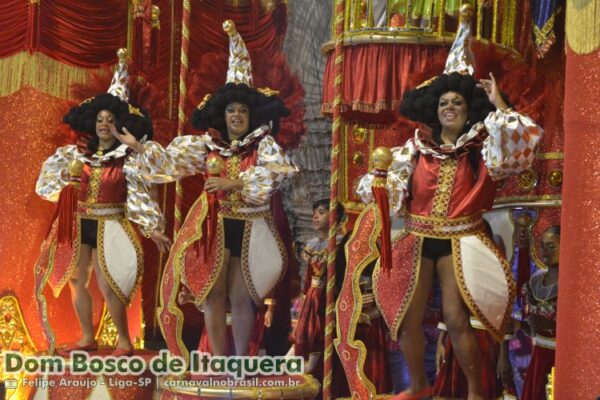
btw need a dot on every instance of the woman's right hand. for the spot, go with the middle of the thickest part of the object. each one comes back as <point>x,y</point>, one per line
<point>161,240</point>
<point>440,352</point>
<point>128,139</point>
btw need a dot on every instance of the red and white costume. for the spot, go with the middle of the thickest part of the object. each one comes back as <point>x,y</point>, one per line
<point>446,202</point>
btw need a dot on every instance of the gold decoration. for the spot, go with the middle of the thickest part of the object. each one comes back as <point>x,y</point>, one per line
<point>268,91</point>
<point>357,158</point>
<point>527,180</point>
<point>555,178</point>
<point>550,385</point>
<point>13,331</point>
<point>466,12</point>
<point>359,134</point>
<point>215,165</point>
<point>40,72</point>
<point>268,5</point>
<point>203,102</point>
<point>135,111</point>
<point>155,17</point>
<point>14,336</point>
<point>582,21</point>
<point>107,331</point>
<point>75,168</point>
<point>382,158</point>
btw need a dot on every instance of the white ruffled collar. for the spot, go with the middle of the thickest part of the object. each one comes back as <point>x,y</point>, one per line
<point>425,144</point>
<point>228,149</point>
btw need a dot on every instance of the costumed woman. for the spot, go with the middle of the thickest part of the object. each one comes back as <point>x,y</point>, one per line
<point>440,181</point>
<point>541,296</point>
<point>98,192</point>
<point>228,247</point>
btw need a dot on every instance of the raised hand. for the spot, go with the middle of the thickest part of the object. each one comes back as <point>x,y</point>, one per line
<point>493,92</point>
<point>128,139</point>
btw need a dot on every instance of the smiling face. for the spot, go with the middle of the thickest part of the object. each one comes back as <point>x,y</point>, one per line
<point>550,248</point>
<point>452,112</point>
<point>237,119</point>
<point>105,123</point>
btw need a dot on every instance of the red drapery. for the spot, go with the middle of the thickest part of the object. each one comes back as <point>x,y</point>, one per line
<point>83,33</point>
<point>377,75</point>
<point>14,16</point>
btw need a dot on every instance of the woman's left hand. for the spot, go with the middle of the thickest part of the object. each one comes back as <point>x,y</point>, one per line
<point>493,92</point>
<point>161,240</point>
<point>215,183</point>
<point>268,317</point>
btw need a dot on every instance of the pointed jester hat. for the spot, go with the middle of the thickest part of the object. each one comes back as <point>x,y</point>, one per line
<point>266,107</point>
<point>420,104</point>
<point>82,117</point>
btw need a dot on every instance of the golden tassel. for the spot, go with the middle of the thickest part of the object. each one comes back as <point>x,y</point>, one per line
<point>41,72</point>
<point>583,25</point>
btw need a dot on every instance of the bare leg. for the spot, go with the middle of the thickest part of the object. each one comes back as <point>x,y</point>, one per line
<point>412,339</point>
<point>242,311</point>
<point>215,307</point>
<point>115,306</point>
<point>456,316</point>
<point>80,295</point>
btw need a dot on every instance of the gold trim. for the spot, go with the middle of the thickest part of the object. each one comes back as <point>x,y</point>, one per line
<point>527,198</point>
<point>357,306</point>
<point>244,262</point>
<point>550,156</point>
<point>177,267</point>
<point>445,184</point>
<point>134,240</point>
<point>245,257</point>
<point>74,258</point>
<point>93,185</point>
<point>581,25</point>
<point>498,334</point>
<point>416,267</point>
<point>42,303</point>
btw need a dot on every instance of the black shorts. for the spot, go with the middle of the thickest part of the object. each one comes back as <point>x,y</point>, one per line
<point>436,248</point>
<point>234,233</point>
<point>89,232</point>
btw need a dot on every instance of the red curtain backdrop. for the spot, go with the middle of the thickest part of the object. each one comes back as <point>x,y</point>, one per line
<point>577,367</point>
<point>13,26</point>
<point>83,33</point>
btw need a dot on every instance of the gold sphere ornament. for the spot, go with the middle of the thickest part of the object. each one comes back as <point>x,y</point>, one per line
<point>229,27</point>
<point>382,158</point>
<point>75,168</point>
<point>357,158</point>
<point>466,12</point>
<point>555,178</point>
<point>215,165</point>
<point>527,180</point>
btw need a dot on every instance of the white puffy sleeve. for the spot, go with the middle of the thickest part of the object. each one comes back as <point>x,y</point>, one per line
<point>55,172</point>
<point>185,156</point>
<point>510,146</point>
<point>398,176</point>
<point>142,207</point>
<point>271,169</point>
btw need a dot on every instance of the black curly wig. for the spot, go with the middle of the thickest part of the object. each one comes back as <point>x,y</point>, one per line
<point>263,109</point>
<point>82,118</point>
<point>421,104</point>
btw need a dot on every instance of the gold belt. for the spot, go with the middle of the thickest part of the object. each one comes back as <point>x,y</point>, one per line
<point>239,210</point>
<point>100,210</point>
<point>443,228</point>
